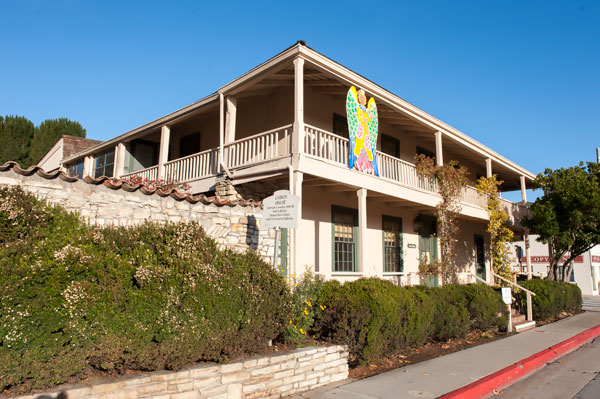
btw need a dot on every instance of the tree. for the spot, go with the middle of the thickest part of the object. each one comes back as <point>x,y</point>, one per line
<point>16,133</point>
<point>500,234</point>
<point>451,180</point>
<point>567,216</point>
<point>48,133</point>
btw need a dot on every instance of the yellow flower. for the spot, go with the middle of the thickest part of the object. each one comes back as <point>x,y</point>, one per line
<point>290,321</point>
<point>323,307</point>
<point>308,303</point>
<point>306,311</point>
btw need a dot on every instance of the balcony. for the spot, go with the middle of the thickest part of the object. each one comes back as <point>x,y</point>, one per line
<point>265,148</point>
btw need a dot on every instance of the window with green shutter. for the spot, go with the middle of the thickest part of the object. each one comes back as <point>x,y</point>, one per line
<point>392,245</point>
<point>345,238</point>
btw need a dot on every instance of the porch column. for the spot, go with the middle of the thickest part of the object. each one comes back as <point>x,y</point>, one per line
<point>488,167</point>
<point>163,152</point>
<point>362,231</point>
<point>295,255</point>
<point>523,190</point>
<point>88,166</point>
<point>119,160</point>
<point>230,118</point>
<point>439,154</point>
<point>298,136</point>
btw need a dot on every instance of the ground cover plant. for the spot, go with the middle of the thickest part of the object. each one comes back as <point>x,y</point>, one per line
<point>75,299</point>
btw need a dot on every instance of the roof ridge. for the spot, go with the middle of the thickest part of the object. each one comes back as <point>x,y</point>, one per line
<point>121,184</point>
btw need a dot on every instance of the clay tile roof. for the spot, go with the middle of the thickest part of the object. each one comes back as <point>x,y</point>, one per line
<point>119,184</point>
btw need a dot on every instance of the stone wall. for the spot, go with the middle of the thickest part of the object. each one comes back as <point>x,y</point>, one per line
<point>271,376</point>
<point>233,224</point>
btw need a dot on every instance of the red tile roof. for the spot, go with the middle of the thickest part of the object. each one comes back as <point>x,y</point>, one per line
<point>118,184</point>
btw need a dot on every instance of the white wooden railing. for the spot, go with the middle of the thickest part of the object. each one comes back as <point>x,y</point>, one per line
<point>205,163</point>
<point>150,173</point>
<point>266,146</point>
<point>326,145</point>
<point>329,146</point>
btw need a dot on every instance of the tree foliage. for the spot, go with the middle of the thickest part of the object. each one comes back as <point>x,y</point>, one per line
<point>16,134</point>
<point>500,234</point>
<point>451,179</point>
<point>567,216</point>
<point>48,133</point>
<point>21,141</point>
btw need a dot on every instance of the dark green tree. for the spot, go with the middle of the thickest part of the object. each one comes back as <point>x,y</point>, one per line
<point>567,216</point>
<point>16,134</point>
<point>48,133</point>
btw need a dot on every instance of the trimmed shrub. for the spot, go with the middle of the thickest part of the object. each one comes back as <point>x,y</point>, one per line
<point>551,299</point>
<point>375,318</point>
<point>75,298</point>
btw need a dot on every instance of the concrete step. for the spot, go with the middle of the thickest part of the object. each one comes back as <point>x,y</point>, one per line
<point>523,326</point>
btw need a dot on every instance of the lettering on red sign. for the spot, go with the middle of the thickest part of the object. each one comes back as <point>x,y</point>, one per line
<point>546,259</point>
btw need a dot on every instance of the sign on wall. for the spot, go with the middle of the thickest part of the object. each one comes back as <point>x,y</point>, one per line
<point>281,210</point>
<point>546,259</point>
<point>363,123</point>
<point>506,295</point>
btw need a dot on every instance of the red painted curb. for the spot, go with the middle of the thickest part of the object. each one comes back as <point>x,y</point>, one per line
<point>508,375</point>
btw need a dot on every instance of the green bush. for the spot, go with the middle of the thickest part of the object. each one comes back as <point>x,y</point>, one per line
<point>305,292</point>
<point>375,318</point>
<point>75,298</point>
<point>551,299</point>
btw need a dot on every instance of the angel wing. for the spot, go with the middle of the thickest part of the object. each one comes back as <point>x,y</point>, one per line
<point>352,117</point>
<point>373,130</point>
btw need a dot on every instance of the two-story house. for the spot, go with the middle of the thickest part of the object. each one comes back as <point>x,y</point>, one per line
<point>283,125</point>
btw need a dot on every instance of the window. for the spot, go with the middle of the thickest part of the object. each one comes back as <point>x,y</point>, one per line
<point>344,231</point>
<point>189,145</point>
<point>423,151</point>
<point>103,165</point>
<point>392,245</point>
<point>390,145</point>
<point>76,169</point>
<point>340,126</point>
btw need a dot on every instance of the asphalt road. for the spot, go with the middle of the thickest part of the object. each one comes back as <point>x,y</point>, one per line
<point>573,376</point>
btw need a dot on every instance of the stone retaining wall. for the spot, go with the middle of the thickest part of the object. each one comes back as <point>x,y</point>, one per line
<point>271,376</point>
<point>235,225</point>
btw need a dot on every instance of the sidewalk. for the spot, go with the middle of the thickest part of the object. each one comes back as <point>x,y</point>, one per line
<point>435,377</point>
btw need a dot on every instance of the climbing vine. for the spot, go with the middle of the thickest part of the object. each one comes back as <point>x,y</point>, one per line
<point>450,179</point>
<point>500,234</point>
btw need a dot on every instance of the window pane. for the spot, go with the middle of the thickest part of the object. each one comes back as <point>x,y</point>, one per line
<point>344,241</point>
<point>392,246</point>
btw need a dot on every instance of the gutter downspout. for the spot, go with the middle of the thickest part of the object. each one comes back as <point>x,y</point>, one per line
<point>222,134</point>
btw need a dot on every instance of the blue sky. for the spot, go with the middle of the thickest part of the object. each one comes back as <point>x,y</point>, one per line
<point>522,77</point>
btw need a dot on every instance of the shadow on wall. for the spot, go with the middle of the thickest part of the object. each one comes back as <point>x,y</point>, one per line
<point>252,233</point>
<point>61,395</point>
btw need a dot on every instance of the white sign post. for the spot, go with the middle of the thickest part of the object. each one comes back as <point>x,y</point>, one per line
<point>507,298</point>
<point>280,211</point>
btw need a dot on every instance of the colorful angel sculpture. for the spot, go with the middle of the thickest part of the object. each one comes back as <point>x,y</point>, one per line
<point>362,128</point>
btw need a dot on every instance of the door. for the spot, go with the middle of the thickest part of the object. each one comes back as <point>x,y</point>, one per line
<point>480,257</point>
<point>428,246</point>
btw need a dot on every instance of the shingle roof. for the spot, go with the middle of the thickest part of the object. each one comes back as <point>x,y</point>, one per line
<point>119,184</point>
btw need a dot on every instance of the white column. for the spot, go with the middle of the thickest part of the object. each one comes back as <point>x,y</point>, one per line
<point>88,166</point>
<point>230,119</point>
<point>439,154</point>
<point>163,152</point>
<point>119,160</point>
<point>488,167</point>
<point>296,266</point>
<point>362,231</point>
<point>221,130</point>
<point>523,190</point>
<point>298,136</point>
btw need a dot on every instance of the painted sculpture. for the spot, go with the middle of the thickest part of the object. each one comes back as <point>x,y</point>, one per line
<point>362,129</point>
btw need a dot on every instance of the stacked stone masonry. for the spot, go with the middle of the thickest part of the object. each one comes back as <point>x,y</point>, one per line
<point>234,227</point>
<point>272,376</point>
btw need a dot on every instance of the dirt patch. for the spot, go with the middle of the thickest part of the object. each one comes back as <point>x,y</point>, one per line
<point>425,352</point>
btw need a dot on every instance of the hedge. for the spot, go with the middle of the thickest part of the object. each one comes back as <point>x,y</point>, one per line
<point>375,318</point>
<point>551,299</point>
<point>76,298</point>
